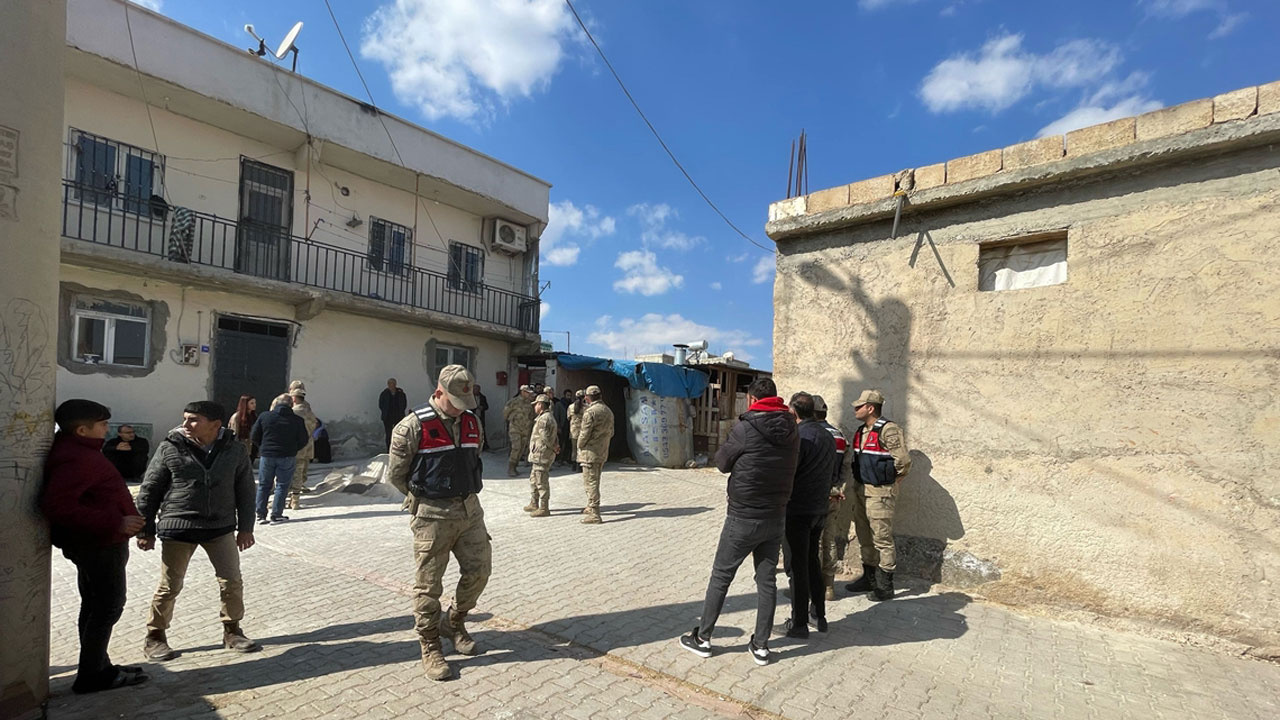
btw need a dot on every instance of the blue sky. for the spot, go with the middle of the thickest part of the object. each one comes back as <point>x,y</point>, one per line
<point>634,258</point>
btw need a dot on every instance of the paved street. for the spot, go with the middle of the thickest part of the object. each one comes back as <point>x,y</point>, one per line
<point>581,622</point>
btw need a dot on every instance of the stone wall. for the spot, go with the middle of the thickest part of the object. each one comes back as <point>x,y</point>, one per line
<point>1108,444</point>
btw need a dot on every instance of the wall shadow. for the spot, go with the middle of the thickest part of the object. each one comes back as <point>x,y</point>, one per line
<point>897,622</point>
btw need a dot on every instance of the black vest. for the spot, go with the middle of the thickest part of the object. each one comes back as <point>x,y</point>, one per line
<point>872,464</point>
<point>443,468</point>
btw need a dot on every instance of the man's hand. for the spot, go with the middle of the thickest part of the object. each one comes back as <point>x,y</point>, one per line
<point>131,524</point>
<point>244,540</point>
<point>838,497</point>
<point>124,446</point>
<point>146,543</point>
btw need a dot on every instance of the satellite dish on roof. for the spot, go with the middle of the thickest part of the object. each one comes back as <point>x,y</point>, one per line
<point>288,44</point>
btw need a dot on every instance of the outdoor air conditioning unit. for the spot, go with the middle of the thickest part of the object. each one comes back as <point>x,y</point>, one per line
<point>509,237</point>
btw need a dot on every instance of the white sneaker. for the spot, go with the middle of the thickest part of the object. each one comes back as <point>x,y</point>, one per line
<point>759,654</point>
<point>695,644</point>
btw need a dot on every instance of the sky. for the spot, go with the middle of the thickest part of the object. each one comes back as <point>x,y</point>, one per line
<point>633,259</point>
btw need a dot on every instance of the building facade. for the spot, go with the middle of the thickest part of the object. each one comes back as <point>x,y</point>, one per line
<point>229,226</point>
<point>1080,335</point>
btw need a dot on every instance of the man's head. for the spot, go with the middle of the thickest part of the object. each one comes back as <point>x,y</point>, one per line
<point>282,400</point>
<point>819,407</point>
<point>297,385</point>
<point>761,388</point>
<point>455,393</point>
<point>592,393</point>
<point>126,433</point>
<point>391,383</point>
<point>526,392</point>
<point>202,420</point>
<point>475,389</point>
<point>540,404</point>
<point>802,406</point>
<point>568,395</point>
<point>297,396</point>
<point>868,405</point>
<point>84,418</point>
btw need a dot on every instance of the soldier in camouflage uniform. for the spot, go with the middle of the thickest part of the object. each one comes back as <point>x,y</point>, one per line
<point>435,461</point>
<point>593,450</point>
<point>518,414</point>
<point>302,408</point>
<point>575,424</point>
<point>544,445</point>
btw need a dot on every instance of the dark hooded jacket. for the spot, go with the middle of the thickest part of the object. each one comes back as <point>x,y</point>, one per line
<point>815,470</point>
<point>760,456</point>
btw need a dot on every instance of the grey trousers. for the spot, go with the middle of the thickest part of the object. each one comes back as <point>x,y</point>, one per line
<point>742,537</point>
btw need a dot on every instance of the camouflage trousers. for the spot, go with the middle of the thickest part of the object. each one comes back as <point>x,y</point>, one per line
<point>433,540</point>
<point>519,446</point>
<point>299,477</point>
<point>873,521</point>
<point>835,536</point>
<point>540,482</point>
<point>591,483</point>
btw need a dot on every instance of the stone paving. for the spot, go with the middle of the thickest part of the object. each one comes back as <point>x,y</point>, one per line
<point>581,622</point>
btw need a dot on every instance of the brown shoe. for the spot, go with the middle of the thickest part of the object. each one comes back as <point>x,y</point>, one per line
<point>541,512</point>
<point>433,661</point>
<point>533,503</point>
<point>591,518</point>
<point>511,470</point>
<point>452,626</point>
<point>830,580</point>
<point>156,647</point>
<point>233,639</point>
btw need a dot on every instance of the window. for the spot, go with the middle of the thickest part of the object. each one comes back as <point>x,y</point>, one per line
<point>389,246</point>
<point>110,332</point>
<point>1026,262</point>
<point>466,267</point>
<point>451,355</point>
<point>106,172</point>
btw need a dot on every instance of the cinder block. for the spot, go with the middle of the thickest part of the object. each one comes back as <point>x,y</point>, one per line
<point>829,199</point>
<point>1269,98</point>
<point>931,176</point>
<point>1175,120</point>
<point>1102,136</point>
<point>1236,105</point>
<point>973,166</point>
<point>1033,152</point>
<point>871,190</point>
<point>789,208</point>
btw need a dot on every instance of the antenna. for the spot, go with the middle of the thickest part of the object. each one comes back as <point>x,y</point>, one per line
<point>288,44</point>
<point>262,44</point>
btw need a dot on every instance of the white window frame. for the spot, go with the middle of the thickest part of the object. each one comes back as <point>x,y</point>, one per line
<point>123,151</point>
<point>453,350</point>
<point>109,335</point>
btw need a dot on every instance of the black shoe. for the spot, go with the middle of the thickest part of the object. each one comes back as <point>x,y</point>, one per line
<point>280,519</point>
<point>114,677</point>
<point>864,583</point>
<point>695,644</point>
<point>796,630</point>
<point>884,585</point>
<point>262,520</point>
<point>759,654</point>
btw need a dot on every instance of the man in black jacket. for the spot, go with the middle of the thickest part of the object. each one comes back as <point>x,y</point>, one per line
<point>128,452</point>
<point>806,516</point>
<point>200,481</point>
<point>393,404</point>
<point>279,435</point>
<point>760,456</point>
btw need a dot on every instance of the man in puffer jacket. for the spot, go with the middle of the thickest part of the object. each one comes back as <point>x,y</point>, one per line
<point>201,484</point>
<point>760,455</point>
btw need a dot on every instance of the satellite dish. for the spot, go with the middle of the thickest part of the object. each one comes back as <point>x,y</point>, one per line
<point>287,44</point>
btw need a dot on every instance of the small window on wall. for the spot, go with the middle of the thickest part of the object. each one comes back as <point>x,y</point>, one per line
<point>388,246</point>
<point>107,172</point>
<point>110,332</point>
<point>466,267</point>
<point>450,355</point>
<point>1020,263</point>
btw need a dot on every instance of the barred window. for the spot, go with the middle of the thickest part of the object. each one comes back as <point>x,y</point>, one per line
<point>389,246</point>
<point>466,267</point>
<point>108,172</point>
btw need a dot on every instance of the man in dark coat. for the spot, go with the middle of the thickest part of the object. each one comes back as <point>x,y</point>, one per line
<point>760,456</point>
<point>807,515</point>
<point>279,435</point>
<point>128,452</point>
<point>393,404</point>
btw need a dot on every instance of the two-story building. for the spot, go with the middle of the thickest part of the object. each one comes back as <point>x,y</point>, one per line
<point>229,225</point>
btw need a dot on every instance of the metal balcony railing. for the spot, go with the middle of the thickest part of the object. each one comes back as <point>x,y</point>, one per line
<point>185,236</point>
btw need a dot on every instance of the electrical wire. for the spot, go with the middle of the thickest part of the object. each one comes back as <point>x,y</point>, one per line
<point>142,88</point>
<point>654,130</point>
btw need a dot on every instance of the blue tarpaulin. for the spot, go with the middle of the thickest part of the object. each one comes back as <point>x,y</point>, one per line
<point>659,378</point>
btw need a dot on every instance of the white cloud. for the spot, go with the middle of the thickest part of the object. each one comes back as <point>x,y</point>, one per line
<point>877,4</point>
<point>462,58</point>
<point>654,219</point>
<point>1003,73</point>
<point>763,270</point>
<point>150,4</point>
<point>716,286</point>
<point>1178,9</point>
<point>1228,25</point>
<point>1111,101</point>
<point>746,255</point>
<point>642,274</point>
<point>564,219</point>
<point>656,333</point>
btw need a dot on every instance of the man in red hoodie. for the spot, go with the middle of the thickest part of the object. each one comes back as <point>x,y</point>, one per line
<point>91,517</point>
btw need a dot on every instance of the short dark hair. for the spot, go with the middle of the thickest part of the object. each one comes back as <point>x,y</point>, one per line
<point>802,404</point>
<point>762,388</point>
<point>75,413</point>
<point>207,409</point>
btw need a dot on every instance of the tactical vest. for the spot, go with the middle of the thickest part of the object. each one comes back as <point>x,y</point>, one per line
<point>842,445</point>
<point>442,468</point>
<point>872,464</point>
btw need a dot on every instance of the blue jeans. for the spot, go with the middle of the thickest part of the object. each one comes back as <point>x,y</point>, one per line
<point>274,472</point>
<point>742,537</point>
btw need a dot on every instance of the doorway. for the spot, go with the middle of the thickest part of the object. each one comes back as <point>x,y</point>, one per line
<point>264,233</point>
<point>249,356</point>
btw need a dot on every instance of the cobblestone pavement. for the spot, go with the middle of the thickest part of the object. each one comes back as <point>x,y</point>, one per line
<point>581,621</point>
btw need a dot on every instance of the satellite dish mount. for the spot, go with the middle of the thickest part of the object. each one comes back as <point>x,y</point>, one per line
<point>289,44</point>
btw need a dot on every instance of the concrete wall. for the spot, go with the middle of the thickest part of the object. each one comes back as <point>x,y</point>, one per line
<point>1110,443</point>
<point>344,359</point>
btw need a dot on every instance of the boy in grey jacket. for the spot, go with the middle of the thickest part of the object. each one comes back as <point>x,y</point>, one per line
<point>200,481</point>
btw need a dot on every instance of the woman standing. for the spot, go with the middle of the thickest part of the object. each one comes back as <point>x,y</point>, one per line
<point>242,420</point>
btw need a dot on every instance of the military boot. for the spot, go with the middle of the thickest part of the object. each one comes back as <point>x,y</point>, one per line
<point>864,583</point>
<point>533,502</point>
<point>433,661</point>
<point>234,639</point>
<point>156,646</point>
<point>295,501</point>
<point>511,469</point>
<point>452,626</point>
<point>591,517</point>
<point>830,582</point>
<point>884,585</point>
<point>543,510</point>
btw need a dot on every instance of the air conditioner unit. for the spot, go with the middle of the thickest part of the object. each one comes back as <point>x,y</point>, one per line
<point>509,237</point>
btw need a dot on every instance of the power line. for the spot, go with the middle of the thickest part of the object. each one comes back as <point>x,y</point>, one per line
<point>654,130</point>
<point>142,89</point>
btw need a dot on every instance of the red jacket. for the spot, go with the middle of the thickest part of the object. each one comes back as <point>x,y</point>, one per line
<point>84,497</point>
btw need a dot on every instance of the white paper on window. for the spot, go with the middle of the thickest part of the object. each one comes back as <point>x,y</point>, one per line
<point>1016,267</point>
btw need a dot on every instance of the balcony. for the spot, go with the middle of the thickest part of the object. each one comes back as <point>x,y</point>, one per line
<point>102,217</point>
